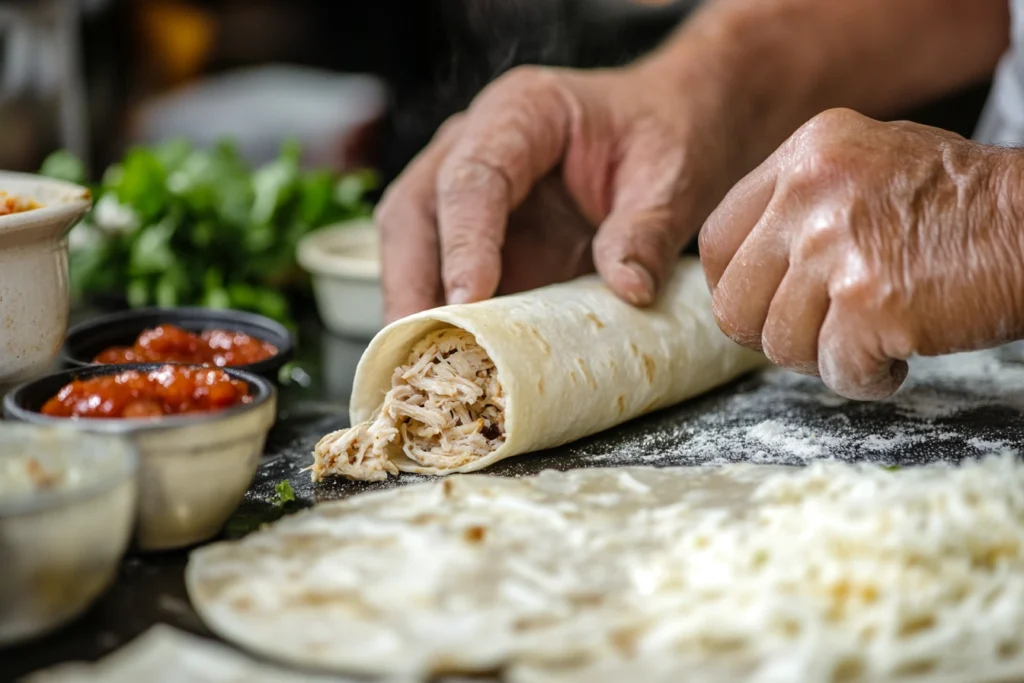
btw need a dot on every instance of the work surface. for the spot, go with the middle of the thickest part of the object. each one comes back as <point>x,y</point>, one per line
<point>962,406</point>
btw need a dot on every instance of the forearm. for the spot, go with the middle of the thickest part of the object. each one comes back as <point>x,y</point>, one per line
<point>776,63</point>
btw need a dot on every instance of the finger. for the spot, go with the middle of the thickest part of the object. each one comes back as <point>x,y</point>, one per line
<point>405,219</point>
<point>733,219</point>
<point>797,312</point>
<point>849,358</point>
<point>745,291</point>
<point>650,220</point>
<point>516,132</point>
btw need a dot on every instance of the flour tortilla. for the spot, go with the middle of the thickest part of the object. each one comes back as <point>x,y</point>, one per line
<point>742,573</point>
<point>573,358</point>
<point>166,655</point>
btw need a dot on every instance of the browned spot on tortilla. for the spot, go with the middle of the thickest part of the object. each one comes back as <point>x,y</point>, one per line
<point>242,603</point>
<point>540,385</point>
<point>475,534</point>
<point>573,378</point>
<point>648,367</point>
<point>446,488</point>
<point>594,319</point>
<point>633,350</point>
<point>625,641</point>
<point>545,347</point>
<point>316,598</point>
<point>621,403</point>
<point>425,518</point>
<point>586,373</point>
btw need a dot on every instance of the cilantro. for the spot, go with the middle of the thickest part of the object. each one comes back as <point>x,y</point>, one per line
<point>891,468</point>
<point>285,493</point>
<point>178,226</point>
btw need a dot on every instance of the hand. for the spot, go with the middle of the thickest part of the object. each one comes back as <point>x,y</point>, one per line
<point>859,243</point>
<point>552,173</point>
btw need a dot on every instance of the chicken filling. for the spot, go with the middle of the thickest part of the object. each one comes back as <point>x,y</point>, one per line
<point>445,408</point>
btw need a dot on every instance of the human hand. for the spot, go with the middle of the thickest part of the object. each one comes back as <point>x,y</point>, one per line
<point>552,173</point>
<point>859,243</point>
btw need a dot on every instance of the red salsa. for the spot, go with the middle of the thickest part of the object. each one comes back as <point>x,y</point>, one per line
<point>172,344</point>
<point>170,390</point>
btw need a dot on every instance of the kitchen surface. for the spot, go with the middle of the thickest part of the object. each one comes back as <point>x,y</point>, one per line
<point>962,406</point>
<point>191,308</point>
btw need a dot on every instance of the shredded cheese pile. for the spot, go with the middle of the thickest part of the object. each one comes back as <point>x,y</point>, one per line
<point>445,409</point>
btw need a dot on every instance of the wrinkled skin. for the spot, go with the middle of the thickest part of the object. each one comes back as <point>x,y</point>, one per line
<point>859,243</point>
<point>550,174</point>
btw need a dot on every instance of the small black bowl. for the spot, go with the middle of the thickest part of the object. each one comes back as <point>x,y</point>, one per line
<point>86,340</point>
<point>25,402</point>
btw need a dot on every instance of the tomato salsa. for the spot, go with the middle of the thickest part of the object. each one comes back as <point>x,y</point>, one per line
<point>172,344</point>
<point>170,390</point>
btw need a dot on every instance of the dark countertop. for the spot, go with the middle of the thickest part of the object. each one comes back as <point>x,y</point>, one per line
<point>952,408</point>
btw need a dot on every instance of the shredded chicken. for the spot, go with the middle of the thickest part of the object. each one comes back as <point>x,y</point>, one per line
<point>445,408</point>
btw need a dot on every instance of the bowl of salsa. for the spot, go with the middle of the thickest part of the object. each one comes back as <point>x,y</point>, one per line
<point>193,336</point>
<point>199,432</point>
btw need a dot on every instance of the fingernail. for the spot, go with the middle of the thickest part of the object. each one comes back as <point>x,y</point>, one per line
<point>639,292</point>
<point>459,295</point>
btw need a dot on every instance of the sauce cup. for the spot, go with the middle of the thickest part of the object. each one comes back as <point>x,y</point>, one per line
<point>88,339</point>
<point>194,468</point>
<point>67,508</point>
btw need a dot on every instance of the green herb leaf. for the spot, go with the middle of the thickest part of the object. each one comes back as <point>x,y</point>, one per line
<point>64,165</point>
<point>206,229</point>
<point>285,493</point>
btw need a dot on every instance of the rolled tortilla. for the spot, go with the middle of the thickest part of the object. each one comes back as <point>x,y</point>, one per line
<point>572,360</point>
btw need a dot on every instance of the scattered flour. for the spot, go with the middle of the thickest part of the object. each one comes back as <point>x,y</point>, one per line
<point>958,406</point>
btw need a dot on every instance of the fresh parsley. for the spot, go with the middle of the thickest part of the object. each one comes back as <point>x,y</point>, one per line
<point>175,225</point>
<point>285,493</point>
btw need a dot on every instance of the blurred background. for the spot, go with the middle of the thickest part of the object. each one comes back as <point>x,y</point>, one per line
<point>366,83</point>
<point>361,83</point>
<point>323,103</point>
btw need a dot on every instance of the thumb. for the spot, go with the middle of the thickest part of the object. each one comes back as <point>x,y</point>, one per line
<point>649,222</point>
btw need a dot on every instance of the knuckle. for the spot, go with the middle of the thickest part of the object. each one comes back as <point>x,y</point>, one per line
<point>469,175</point>
<point>451,126</point>
<point>831,122</point>
<point>384,212</point>
<point>527,78</point>
<point>394,214</point>
<point>820,150</point>
<point>823,232</point>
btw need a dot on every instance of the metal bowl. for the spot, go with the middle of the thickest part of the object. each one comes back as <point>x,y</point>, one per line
<point>193,469</point>
<point>60,545</point>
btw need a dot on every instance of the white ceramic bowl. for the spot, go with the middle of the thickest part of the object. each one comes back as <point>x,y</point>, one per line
<point>344,261</point>
<point>194,469</point>
<point>34,273</point>
<point>60,545</point>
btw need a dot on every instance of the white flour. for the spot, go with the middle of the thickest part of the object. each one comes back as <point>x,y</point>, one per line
<point>786,418</point>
